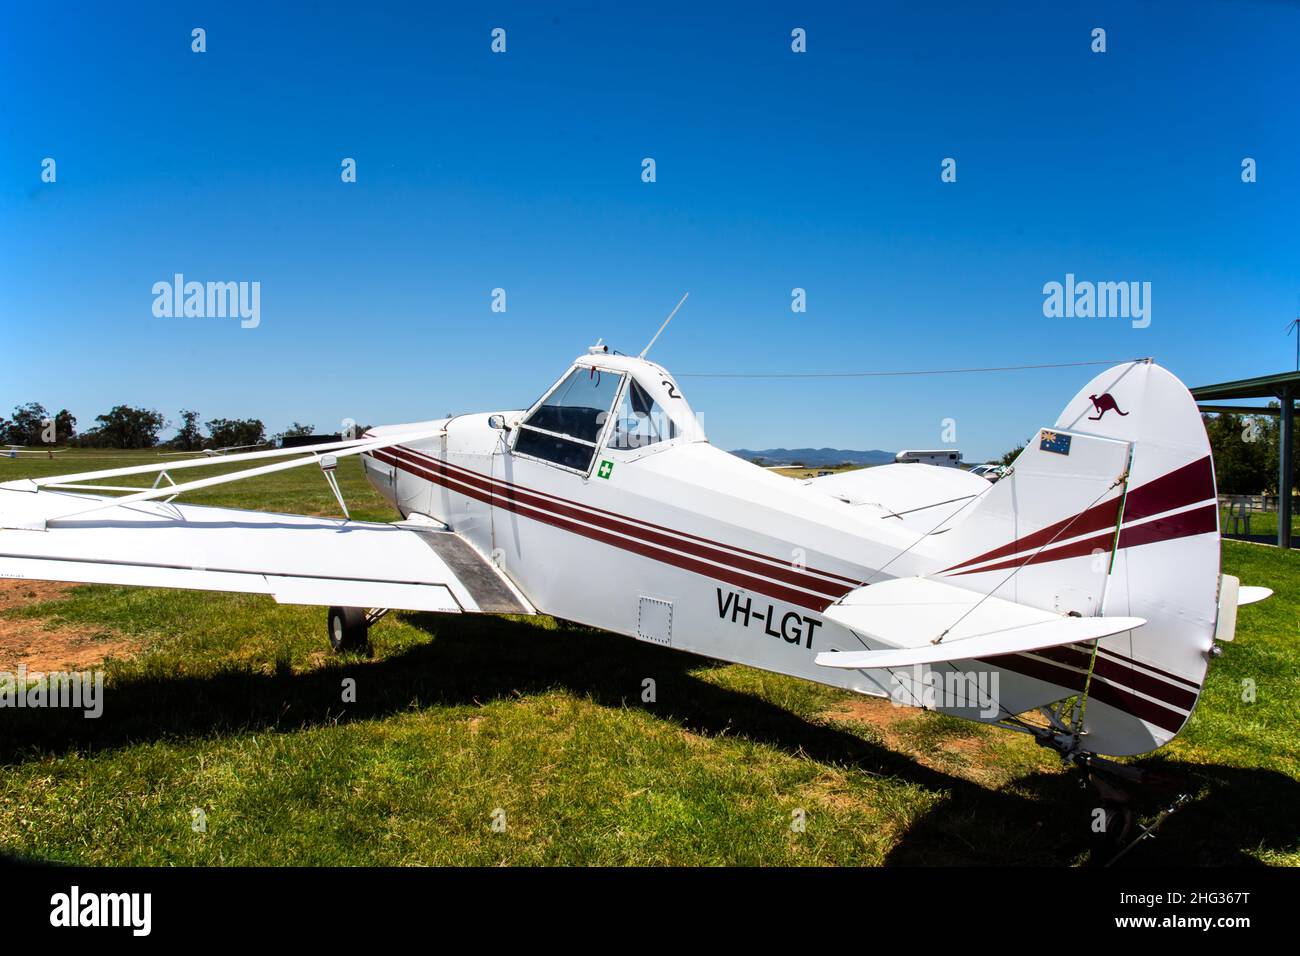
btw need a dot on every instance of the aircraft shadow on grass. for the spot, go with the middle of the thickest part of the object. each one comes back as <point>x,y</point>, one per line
<point>1042,818</point>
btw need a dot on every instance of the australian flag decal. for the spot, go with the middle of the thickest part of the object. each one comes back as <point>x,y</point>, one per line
<point>1054,442</point>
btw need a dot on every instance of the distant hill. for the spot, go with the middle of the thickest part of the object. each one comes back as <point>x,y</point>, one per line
<point>815,457</point>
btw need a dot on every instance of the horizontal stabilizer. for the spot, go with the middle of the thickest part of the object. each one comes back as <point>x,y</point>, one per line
<point>1031,637</point>
<point>1247,594</point>
<point>923,621</point>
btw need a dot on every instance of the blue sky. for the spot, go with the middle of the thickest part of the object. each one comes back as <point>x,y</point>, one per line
<point>522,171</point>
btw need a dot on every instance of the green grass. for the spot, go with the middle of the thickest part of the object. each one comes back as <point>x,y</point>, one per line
<point>234,705</point>
<point>1263,525</point>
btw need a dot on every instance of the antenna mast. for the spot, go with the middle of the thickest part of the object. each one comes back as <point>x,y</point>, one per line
<point>662,327</point>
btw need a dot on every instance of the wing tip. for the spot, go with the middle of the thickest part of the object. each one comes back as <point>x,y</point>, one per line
<point>1252,594</point>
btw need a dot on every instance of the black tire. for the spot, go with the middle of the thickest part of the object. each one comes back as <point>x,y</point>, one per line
<point>1112,841</point>
<point>347,628</point>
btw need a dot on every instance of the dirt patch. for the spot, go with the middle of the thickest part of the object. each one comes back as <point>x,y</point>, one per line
<point>58,649</point>
<point>878,712</point>
<point>891,722</point>
<point>969,747</point>
<point>19,592</point>
<point>28,641</point>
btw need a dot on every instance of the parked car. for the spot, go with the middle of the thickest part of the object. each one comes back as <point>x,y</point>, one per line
<point>989,472</point>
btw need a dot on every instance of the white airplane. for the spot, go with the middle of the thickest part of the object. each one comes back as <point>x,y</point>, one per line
<point>13,451</point>
<point>1082,590</point>
<point>211,452</point>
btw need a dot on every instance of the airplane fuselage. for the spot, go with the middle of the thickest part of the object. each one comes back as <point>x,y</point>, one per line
<point>687,547</point>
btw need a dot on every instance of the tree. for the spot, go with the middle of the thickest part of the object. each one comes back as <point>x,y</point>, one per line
<point>296,430</point>
<point>126,427</point>
<point>1272,428</point>
<point>190,437</point>
<point>231,432</point>
<point>1245,453</point>
<point>65,427</point>
<point>1246,450</point>
<point>1010,456</point>
<point>26,426</point>
<point>33,425</point>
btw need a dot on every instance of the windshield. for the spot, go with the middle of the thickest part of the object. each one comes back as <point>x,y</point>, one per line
<point>564,429</point>
<point>578,408</point>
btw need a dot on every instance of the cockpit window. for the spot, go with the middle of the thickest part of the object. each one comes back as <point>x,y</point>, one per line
<point>641,421</point>
<point>579,406</point>
<point>565,428</point>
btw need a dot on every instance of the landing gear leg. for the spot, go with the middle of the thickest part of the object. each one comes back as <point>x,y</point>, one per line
<point>348,628</point>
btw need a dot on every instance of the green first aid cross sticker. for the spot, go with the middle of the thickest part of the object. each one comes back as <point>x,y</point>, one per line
<point>606,469</point>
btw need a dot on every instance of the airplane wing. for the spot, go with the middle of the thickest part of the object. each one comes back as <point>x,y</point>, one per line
<point>918,497</point>
<point>921,621</point>
<point>294,558</point>
<point>51,530</point>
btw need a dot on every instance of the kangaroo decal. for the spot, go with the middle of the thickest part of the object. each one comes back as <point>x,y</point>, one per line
<point>1102,404</point>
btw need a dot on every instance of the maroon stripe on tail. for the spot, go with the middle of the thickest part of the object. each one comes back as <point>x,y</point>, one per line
<point>1076,549</point>
<point>1182,525</point>
<point>1101,689</point>
<point>1106,651</point>
<point>1104,515</point>
<point>1117,673</point>
<point>1183,486</point>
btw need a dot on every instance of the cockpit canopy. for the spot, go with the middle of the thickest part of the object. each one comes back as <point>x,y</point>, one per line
<point>612,402</point>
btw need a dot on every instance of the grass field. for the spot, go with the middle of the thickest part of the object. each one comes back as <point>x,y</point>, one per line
<point>814,472</point>
<point>233,705</point>
<point>1263,525</point>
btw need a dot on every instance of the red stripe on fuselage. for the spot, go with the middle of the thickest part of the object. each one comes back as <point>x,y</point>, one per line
<point>805,578</point>
<point>518,503</point>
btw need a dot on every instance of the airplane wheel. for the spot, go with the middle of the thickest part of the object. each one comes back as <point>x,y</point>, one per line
<point>1119,824</point>
<point>1110,842</point>
<point>347,628</point>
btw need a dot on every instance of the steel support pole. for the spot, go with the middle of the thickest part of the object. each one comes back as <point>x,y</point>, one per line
<point>1284,476</point>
